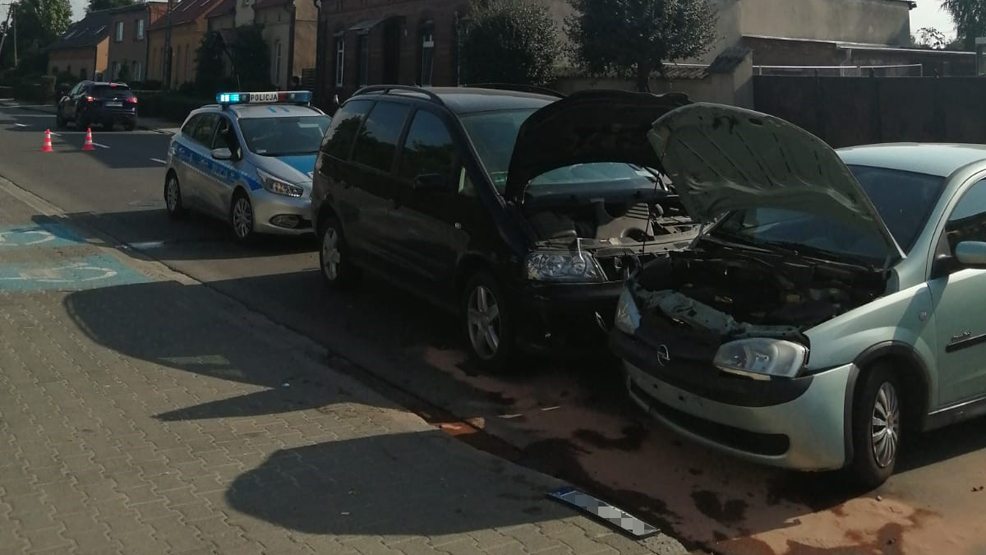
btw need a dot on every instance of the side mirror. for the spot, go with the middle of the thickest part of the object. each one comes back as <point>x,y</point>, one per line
<point>431,182</point>
<point>971,254</point>
<point>222,154</point>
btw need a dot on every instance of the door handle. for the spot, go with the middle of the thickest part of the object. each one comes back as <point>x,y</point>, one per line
<point>961,336</point>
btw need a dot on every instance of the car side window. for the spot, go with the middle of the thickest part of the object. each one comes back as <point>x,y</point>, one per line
<point>346,122</point>
<point>226,137</point>
<point>75,89</point>
<point>203,131</point>
<point>428,148</point>
<point>968,220</point>
<point>376,143</point>
<point>189,126</point>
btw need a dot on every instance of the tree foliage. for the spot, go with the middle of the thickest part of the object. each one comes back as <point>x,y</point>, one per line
<point>634,38</point>
<point>929,37</point>
<point>970,19</point>
<point>96,5</point>
<point>209,67</point>
<point>248,55</point>
<point>251,58</point>
<point>39,23</point>
<point>510,41</point>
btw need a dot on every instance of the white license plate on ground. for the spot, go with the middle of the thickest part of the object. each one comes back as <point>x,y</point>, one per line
<point>114,104</point>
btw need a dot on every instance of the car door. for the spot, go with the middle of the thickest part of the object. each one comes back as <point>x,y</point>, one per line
<point>182,161</point>
<point>68,103</point>
<point>220,175</point>
<point>960,304</point>
<point>200,163</point>
<point>374,187</point>
<point>429,216</point>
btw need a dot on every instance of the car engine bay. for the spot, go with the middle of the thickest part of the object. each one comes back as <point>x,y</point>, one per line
<point>738,293</point>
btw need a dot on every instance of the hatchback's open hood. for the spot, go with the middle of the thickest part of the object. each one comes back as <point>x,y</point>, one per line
<point>721,158</point>
<point>586,127</point>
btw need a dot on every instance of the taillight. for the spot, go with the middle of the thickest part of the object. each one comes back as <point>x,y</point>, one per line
<point>132,99</point>
<point>90,99</point>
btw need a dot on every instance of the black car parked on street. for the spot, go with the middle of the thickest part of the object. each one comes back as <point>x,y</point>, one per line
<point>96,103</point>
<point>517,209</point>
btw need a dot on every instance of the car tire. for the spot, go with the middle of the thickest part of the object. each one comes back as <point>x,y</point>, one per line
<point>241,217</point>
<point>877,426</point>
<point>487,324</point>
<point>174,204</point>
<point>335,264</point>
<point>60,122</point>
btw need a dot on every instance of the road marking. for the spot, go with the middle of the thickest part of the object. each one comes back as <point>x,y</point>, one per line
<point>147,245</point>
<point>20,125</point>
<point>53,134</point>
<point>99,145</point>
<point>36,236</point>
<point>158,160</point>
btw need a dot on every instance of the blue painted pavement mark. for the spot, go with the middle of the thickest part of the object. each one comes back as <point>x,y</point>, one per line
<point>90,272</point>
<point>46,234</point>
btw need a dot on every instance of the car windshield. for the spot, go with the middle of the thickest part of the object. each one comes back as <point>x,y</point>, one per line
<point>283,136</point>
<point>904,201</point>
<point>494,135</point>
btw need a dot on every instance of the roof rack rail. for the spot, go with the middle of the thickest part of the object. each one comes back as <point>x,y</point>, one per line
<point>518,88</point>
<point>386,89</point>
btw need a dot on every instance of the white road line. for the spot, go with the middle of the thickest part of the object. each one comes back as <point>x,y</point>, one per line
<point>99,145</point>
<point>20,125</point>
<point>159,161</point>
<point>53,134</point>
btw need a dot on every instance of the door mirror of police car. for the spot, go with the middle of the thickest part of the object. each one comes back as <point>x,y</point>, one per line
<point>222,154</point>
<point>971,254</point>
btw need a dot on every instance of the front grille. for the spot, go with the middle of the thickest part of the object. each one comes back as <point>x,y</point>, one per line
<point>771,445</point>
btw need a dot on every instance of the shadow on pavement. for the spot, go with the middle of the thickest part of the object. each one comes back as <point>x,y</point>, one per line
<point>393,484</point>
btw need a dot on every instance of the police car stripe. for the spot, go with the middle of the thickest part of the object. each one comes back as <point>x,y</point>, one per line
<point>213,169</point>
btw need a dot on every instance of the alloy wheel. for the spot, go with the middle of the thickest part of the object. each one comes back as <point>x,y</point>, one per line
<point>885,425</point>
<point>171,196</point>
<point>483,321</point>
<point>242,218</point>
<point>331,255</point>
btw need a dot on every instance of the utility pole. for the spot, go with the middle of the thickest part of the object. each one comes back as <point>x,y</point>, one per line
<point>167,49</point>
<point>14,24</point>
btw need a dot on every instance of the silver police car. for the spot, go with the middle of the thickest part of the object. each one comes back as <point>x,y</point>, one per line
<point>249,160</point>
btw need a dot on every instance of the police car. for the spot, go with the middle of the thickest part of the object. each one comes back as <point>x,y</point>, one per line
<point>248,159</point>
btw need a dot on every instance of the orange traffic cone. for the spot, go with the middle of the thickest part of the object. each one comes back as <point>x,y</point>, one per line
<point>88,144</point>
<point>46,147</point>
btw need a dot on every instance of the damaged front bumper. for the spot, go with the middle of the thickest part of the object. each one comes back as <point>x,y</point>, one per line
<point>791,423</point>
<point>566,318</point>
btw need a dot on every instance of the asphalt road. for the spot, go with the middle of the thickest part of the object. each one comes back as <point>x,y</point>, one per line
<point>568,419</point>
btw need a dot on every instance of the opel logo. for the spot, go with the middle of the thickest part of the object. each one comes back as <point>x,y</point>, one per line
<point>663,356</point>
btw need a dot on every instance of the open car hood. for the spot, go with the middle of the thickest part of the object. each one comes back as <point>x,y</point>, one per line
<point>721,158</point>
<point>587,127</point>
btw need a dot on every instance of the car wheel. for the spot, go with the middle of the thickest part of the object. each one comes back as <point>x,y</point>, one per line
<point>241,217</point>
<point>172,197</point>
<point>59,120</point>
<point>487,322</point>
<point>877,427</point>
<point>337,269</point>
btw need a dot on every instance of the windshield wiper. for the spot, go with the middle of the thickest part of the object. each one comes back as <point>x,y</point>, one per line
<point>806,251</point>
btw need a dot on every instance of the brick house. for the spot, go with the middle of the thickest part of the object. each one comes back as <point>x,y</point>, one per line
<point>83,48</point>
<point>188,26</point>
<point>128,28</point>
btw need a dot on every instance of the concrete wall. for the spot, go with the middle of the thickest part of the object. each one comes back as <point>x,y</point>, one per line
<point>851,111</point>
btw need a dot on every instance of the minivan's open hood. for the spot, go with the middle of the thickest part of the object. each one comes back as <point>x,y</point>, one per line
<point>586,127</point>
<point>721,158</point>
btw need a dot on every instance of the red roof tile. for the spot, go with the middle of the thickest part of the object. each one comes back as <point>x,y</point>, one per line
<point>187,11</point>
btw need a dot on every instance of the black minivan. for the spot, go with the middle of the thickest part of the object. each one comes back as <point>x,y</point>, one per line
<point>522,212</point>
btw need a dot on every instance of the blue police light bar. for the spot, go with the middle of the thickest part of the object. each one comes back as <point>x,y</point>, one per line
<point>272,97</point>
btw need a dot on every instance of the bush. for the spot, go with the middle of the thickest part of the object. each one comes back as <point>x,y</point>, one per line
<point>152,85</point>
<point>168,106</point>
<point>46,89</point>
<point>510,41</point>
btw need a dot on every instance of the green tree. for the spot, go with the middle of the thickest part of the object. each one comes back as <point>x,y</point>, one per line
<point>970,19</point>
<point>96,5</point>
<point>39,23</point>
<point>209,67</point>
<point>510,41</point>
<point>634,38</point>
<point>251,57</point>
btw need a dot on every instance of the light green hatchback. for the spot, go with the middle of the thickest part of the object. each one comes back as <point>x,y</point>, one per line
<point>833,305</point>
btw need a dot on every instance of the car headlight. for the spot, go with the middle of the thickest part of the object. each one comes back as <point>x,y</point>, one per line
<point>577,266</point>
<point>627,316</point>
<point>762,358</point>
<point>279,186</point>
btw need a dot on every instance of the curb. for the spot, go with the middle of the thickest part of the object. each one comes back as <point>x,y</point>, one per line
<point>51,111</point>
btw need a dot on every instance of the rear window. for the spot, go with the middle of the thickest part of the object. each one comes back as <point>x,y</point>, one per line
<point>106,91</point>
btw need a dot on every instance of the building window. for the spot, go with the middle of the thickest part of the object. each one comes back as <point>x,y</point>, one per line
<point>340,60</point>
<point>363,51</point>
<point>113,71</point>
<point>276,76</point>
<point>139,32</point>
<point>119,32</point>
<point>427,54</point>
<point>135,71</point>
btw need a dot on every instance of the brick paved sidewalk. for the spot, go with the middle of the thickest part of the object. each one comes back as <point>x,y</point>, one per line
<point>141,412</point>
